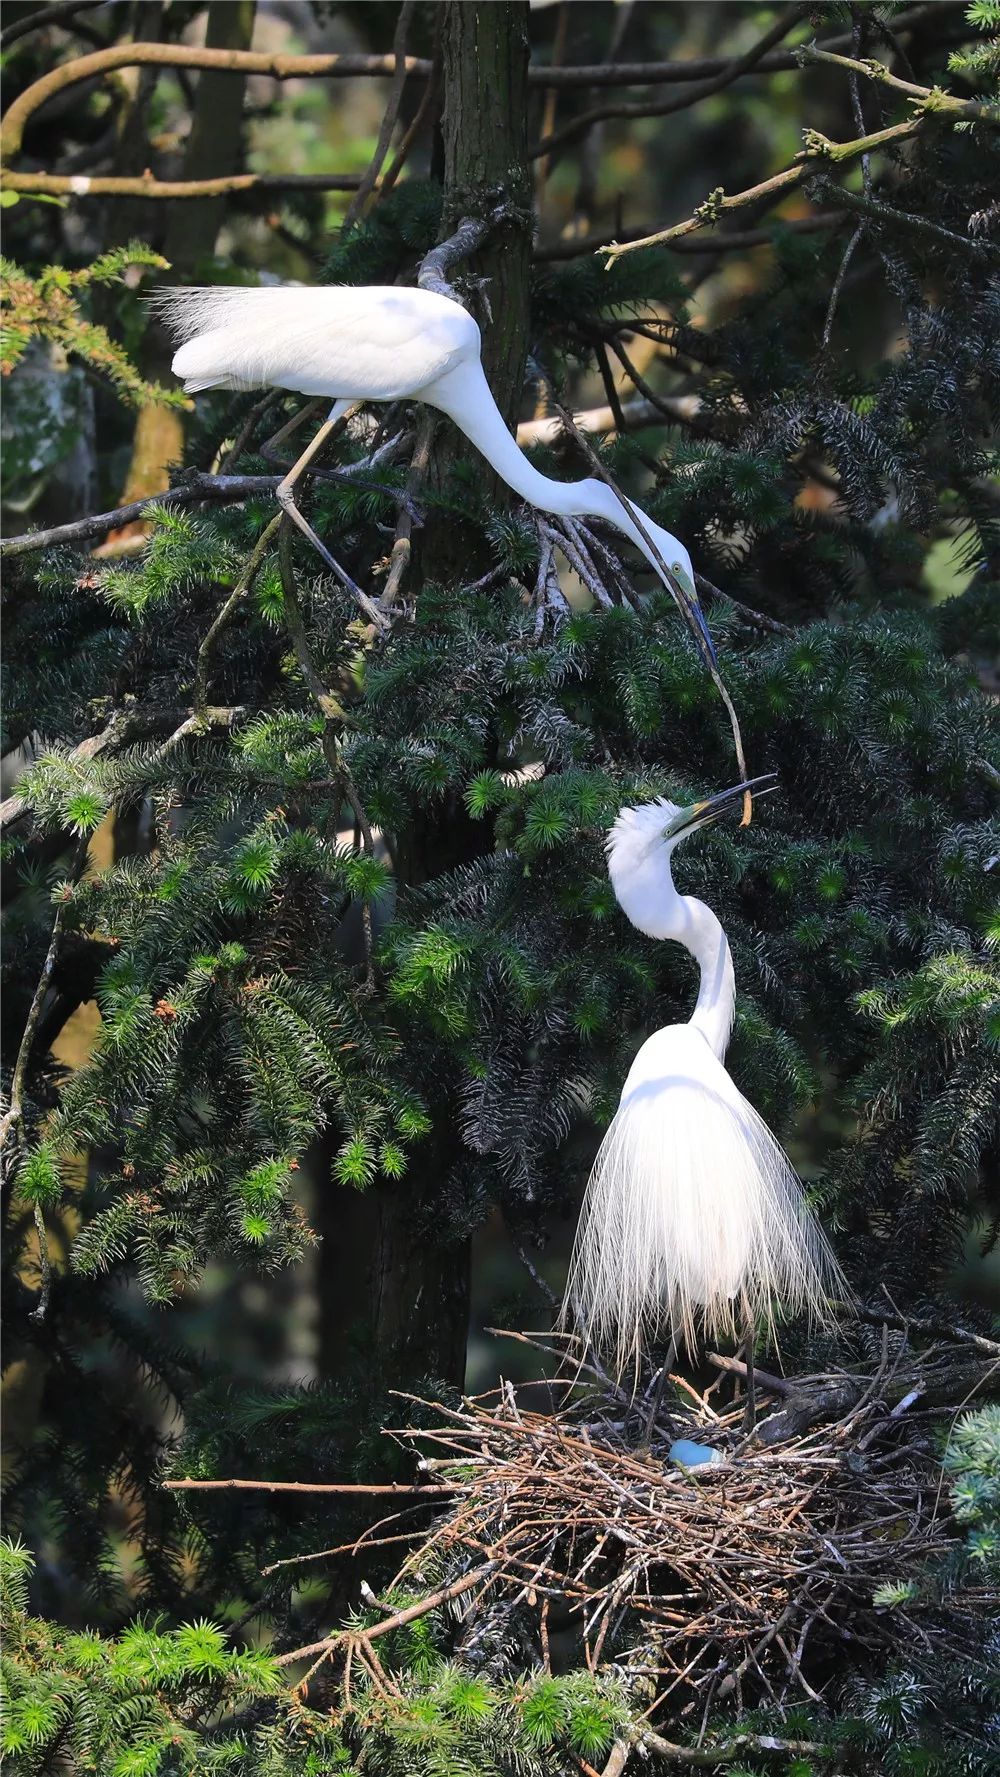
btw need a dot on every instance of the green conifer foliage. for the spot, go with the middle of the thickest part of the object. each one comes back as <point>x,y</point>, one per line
<point>272,984</point>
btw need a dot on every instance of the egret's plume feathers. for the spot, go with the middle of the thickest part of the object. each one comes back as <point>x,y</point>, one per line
<point>693,1219</point>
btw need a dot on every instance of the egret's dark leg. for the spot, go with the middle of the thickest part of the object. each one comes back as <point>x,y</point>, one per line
<point>750,1405</point>
<point>664,1377</point>
<point>284,493</point>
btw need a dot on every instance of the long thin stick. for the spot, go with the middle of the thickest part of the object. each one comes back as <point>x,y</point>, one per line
<point>411,1614</point>
<point>391,1487</point>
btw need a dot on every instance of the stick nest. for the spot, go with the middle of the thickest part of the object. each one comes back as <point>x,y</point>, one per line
<point>741,1580</point>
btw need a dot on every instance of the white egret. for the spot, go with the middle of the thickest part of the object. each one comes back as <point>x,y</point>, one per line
<point>380,343</point>
<point>693,1219</point>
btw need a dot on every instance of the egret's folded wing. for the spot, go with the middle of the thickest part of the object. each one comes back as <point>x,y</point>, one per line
<point>369,343</point>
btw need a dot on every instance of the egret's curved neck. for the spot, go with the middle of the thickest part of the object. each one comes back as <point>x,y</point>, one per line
<point>465,396</point>
<point>704,937</point>
<point>644,889</point>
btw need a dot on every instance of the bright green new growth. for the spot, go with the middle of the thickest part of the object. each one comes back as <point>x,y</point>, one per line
<point>46,307</point>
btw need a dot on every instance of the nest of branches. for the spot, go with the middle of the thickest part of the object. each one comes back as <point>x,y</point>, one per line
<point>741,1579</point>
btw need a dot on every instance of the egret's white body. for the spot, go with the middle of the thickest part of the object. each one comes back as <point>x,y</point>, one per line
<point>380,343</point>
<point>693,1218</point>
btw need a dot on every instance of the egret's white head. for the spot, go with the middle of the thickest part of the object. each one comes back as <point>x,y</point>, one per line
<point>642,839</point>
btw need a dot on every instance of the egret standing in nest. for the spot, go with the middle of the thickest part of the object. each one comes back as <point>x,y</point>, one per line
<point>693,1220</point>
<point>386,344</point>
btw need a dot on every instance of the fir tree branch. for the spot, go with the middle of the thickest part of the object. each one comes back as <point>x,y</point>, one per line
<point>334,718</point>
<point>928,97</point>
<point>860,205</point>
<point>757,619</point>
<point>329,706</point>
<point>218,488</point>
<point>140,722</point>
<point>602,472</point>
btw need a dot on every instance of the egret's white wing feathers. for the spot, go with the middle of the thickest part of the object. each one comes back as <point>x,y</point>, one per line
<point>693,1218</point>
<point>375,344</point>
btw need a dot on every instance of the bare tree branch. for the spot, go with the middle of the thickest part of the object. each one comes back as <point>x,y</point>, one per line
<point>58,14</point>
<point>182,55</point>
<point>699,67</point>
<point>399,559</point>
<point>470,234</point>
<point>718,204</point>
<point>221,489</point>
<point>146,186</point>
<point>676,409</point>
<point>704,1757</point>
<point>735,241</point>
<point>932,97</point>
<point>396,1621</point>
<point>340,67</point>
<point>241,1486</point>
<point>730,71</point>
<point>370,177</point>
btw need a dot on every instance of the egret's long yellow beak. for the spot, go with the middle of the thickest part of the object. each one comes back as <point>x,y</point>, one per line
<point>701,814</point>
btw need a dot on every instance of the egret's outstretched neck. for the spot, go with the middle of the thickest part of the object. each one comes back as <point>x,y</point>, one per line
<point>703,935</point>
<point>466,397</point>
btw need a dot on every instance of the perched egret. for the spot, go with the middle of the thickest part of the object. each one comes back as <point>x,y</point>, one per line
<point>693,1220</point>
<point>387,344</point>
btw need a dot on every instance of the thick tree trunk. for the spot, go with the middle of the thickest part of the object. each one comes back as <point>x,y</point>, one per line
<point>485,127</point>
<point>418,1286</point>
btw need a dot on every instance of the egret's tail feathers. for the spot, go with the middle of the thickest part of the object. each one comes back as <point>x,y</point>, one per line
<point>694,1220</point>
<point>241,337</point>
